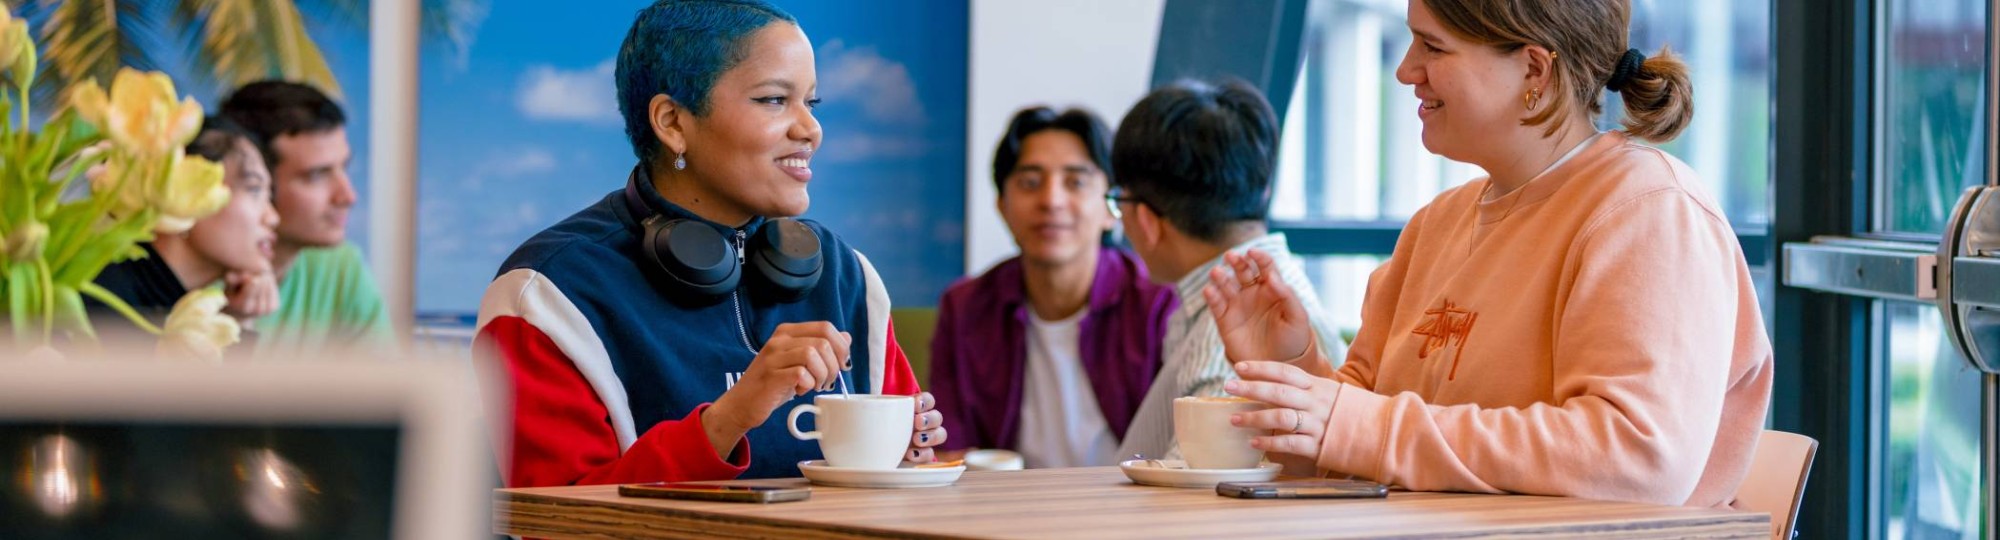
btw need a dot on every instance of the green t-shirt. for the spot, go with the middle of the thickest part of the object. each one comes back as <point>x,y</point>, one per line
<point>327,303</point>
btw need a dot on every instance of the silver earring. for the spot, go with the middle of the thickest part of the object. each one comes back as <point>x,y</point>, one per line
<point>680,162</point>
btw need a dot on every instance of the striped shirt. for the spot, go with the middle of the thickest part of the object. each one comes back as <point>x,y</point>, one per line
<point>1192,362</point>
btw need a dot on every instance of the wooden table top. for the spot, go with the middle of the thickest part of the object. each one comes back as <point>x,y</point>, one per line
<point>1095,502</point>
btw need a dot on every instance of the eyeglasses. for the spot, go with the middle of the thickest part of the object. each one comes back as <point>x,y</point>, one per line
<point>1115,196</point>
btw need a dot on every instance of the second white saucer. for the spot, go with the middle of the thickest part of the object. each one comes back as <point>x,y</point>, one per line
<point>1174,473</point>
<point>820,473</point>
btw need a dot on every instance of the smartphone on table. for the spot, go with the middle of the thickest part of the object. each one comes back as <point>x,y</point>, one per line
<point>1317,488</point>
<point>716,492</point>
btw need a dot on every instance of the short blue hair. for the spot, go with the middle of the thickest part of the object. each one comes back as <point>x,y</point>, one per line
<point>679,48</point>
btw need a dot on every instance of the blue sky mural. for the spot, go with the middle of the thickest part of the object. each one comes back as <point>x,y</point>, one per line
<point>520,129</point>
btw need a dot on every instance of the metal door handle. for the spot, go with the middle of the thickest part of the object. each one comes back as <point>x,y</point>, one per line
<point>1968,277</point>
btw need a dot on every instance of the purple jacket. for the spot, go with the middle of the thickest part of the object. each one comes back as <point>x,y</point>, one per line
<point>979,353</point>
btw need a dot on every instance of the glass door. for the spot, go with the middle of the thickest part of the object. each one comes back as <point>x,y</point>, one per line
<point>1903,262</point>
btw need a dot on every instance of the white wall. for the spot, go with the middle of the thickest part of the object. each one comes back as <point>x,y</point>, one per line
<point>1061,53</point>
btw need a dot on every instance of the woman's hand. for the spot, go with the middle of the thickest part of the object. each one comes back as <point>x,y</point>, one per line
<point>926,431</point>
<point>1256,314</point>
<point>798,358</point>
<point>1300,406</point>
<point>251,294</point>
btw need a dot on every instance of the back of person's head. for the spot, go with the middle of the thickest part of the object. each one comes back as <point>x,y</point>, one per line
<point>1200,155</point>
<point>220,140</point>
<point>679,48</point>
<point>1589,39</point>
<point>273,109</point>
<point>1086,126</point>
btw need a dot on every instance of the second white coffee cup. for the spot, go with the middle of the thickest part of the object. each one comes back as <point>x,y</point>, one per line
<point>859,431</point>
<point>1208,440</point>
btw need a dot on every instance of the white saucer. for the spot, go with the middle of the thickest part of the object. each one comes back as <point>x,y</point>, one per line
<point>1174,473</point>
<point>820,473</point>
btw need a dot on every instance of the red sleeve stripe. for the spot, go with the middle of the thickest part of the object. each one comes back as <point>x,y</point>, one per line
<point>531,296</point>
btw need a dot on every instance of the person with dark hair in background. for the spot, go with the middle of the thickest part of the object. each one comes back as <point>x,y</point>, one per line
<point>1049,353</point>
<point>652,335</point>
<point>1580,322</point>
<point>1194,163</point>
<point>328,299</point>
<point>231,247</point>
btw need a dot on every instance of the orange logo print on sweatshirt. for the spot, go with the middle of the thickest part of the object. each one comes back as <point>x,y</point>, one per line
<point>1441,328</point>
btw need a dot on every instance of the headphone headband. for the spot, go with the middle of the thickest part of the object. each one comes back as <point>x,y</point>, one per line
<point>697,262</point>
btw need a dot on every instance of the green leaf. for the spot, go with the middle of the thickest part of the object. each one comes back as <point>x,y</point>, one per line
<point>17,301</point>
<point>118,304</point>
<point>71,317</point>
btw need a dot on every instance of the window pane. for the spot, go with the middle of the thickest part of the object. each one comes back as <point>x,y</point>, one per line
<point>1930,466</point>
<point>1727,47</point>
<point>1352,147</point>
<point>1934,57</point>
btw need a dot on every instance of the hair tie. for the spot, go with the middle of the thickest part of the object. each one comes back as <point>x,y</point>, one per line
<point>1628,67</point>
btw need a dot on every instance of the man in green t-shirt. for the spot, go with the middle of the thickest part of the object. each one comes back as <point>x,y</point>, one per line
<point>328,302</point>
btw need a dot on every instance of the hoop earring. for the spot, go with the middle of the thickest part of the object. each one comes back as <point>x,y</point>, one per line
<point>680,161</point>
<point>1533,98</point>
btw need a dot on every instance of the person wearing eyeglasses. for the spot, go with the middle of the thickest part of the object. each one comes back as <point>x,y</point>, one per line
<point>1049,353</point>
<point>1194,163</point>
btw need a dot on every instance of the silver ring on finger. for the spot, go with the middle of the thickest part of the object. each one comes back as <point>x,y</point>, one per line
<point>1298,420</point>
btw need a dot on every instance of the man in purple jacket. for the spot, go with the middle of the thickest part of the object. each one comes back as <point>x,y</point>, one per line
<point>1050,353</point>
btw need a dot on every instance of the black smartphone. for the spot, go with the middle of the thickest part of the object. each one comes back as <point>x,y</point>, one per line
<point>1317,488</point>
<point>715,492</point>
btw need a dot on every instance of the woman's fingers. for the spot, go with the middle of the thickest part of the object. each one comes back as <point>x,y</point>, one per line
<point>927,438</point>
<point>1279,395</point>
<point>1249,270</point>
<point>802,380</point>
<point>928,419</point>
<point>920,455</point>
<point>809,356</point>
<point>1273,371</point>
<point>1225,282</point>
<point>1291,443</point>
<point>925,402</point>
<point>1276,419</point>
<point>828,362</point>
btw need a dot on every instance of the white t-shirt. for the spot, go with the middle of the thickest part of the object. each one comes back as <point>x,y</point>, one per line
<point>1061,424</point>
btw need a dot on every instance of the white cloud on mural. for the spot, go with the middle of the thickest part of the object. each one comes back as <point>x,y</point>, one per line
<point>882,87</point>
<point>585,95</point>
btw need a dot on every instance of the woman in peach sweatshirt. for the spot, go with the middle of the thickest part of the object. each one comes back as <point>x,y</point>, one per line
<point>1580,322</point>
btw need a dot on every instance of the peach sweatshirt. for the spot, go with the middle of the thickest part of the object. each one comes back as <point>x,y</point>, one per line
<point>1593,334</point>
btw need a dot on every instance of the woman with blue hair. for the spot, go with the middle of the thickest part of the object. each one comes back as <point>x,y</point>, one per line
<point>651,336</point>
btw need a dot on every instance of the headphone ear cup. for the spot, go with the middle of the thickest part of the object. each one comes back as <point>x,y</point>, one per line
<point>690,260</point>
<point>785,256</point>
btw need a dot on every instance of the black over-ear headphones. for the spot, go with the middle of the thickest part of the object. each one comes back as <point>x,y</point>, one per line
<point>697,262</point>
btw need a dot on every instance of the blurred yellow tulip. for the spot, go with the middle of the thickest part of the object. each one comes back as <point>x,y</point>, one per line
<point>196,329</point>
<point>140,114</point>
<point>193,189</point>
<point>13,40</point>
<point>89,100</point>
<point>25,60</point>
<point>124,182</point>
<point>25,245</point>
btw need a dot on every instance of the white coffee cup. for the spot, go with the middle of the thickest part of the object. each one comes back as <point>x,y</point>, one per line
<point>858,431</point>
<point>1208,440</point>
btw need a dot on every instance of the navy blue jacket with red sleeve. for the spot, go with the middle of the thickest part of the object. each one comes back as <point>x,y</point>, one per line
<point>608,376</point>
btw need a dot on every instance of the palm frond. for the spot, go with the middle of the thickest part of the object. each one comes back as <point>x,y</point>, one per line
<point>242,41</point>
<point>455,21</point>
<point>85,39</point>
